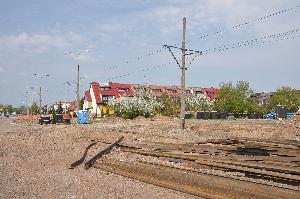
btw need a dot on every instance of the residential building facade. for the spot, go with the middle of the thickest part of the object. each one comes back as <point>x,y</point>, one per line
<point>99,94</point>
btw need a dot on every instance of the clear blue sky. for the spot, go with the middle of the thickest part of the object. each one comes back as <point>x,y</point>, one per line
<point>35,34</point>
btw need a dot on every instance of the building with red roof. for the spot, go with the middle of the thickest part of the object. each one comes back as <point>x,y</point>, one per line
<point>99,94</point>
<point>212,93</point>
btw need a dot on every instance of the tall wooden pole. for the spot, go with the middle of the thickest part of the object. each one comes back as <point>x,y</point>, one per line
<point>182,107</point>
<point>40,105</point>
<point>77,90</point>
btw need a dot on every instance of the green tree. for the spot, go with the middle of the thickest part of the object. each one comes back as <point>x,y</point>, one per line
<point>235,98</point>
<point>285,96</point>
<point>169,106</point>
<point>8,108</point>
<point>34,109</point>
<point>253,107</point>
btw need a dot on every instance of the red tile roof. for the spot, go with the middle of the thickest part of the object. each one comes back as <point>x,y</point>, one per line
<point>117,90</point>
<point>95,86</point>
<point>212,93</point>
<point>87,96</point>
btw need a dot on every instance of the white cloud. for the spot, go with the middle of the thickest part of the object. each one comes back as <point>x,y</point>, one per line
<point>203,15</point>
<point>1,70</point>
<point>113,28</point>
<point>38,42</point>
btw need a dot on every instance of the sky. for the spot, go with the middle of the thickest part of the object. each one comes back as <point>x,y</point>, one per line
<point>126,38</point>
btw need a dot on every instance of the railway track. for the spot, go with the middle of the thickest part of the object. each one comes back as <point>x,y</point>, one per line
<point>223,168</point>
<point>199,184</point>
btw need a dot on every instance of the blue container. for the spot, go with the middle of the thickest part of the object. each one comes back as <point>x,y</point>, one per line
<point>271,115</point>
<point>289,115</point>
<point>82,117</point>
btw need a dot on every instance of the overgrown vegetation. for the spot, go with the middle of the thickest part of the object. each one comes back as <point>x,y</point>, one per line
<point>285,96</point>
<point>236,99</point>
<point>198,103</point>
<point>170,106</point>
<point>10,109</point>
<point>143,103</point>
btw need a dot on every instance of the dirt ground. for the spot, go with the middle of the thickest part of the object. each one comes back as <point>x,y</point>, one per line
<point>35,159</point>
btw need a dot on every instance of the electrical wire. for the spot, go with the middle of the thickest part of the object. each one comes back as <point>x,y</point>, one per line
<point>146,69</point>
<point>288,35</point>
<point>272,38</point>
<point>249,22</point>
<point>140,58</point>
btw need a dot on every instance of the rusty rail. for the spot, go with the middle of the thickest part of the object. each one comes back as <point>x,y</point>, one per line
<point>270,169</point>
<point>81,160</point>
<point>202,185</point>
<point>90,162</point>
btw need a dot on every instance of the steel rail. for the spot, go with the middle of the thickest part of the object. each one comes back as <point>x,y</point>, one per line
<point>90,162</point>
<point>281,174</point>
<point>199,184</point>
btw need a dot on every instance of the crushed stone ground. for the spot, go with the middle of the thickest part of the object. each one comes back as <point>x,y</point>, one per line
<point>35,159</point>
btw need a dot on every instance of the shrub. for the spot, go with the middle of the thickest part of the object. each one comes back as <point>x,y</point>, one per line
<point>198,103</point>
<point>143,103</point>
<point>169,106</point>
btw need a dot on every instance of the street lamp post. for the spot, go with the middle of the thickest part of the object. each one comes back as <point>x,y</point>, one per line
<point>40,89</point>
<point>76,56</point>
<point>26,102</point>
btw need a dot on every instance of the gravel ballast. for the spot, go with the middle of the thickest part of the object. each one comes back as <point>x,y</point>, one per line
<point>35,160</point>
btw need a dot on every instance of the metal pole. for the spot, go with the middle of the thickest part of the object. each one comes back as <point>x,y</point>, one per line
<point>182,107</point>
<point>78,92</point>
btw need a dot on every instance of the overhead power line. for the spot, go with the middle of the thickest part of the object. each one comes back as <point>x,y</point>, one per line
<point>146,69</point>
<point>140,58</point>
<point>197,53</point>
<point>246,23</point>
<point>272,38</point>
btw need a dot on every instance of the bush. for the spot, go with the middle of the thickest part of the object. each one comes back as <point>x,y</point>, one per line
<point>169,106</point>
<point>198,103</point>
<point>143,103</point>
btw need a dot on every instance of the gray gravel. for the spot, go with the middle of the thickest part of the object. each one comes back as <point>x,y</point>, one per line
<point>35,160</point>
<point>34,163</point>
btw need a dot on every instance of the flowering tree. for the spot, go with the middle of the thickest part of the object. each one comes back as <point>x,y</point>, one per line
<point>143,103</point>
<point>198,103</point>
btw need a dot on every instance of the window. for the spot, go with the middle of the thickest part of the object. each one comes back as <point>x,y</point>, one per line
<point>156,90</point>
<point>105,98</point>
<point>123,89</point>
<point>139,89</point>
<point>170,91</point>
<point>198,92</point>
<point>104,88</point>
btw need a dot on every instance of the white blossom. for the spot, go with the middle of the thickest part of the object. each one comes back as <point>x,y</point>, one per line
<point>198,103</point>
<point>143,103</point>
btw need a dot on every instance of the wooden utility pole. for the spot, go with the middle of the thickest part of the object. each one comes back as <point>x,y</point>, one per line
<point>40,95</point>
<point>77,90</point>
<point>182,107</point>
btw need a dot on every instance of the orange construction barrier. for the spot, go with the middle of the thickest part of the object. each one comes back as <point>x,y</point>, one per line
<point>27,118</point>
